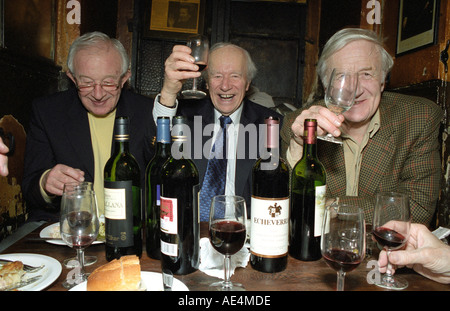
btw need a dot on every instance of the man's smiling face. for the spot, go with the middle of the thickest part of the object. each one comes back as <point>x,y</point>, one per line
<point>227,78</point>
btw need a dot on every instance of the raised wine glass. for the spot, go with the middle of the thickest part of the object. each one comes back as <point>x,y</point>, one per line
<point>199,45</point>
<point>88,260</point>
<point>339,96</point>
<point>79,227</point>
<point>343,241</point>
<point>227,233</point>
<point>391,225</point>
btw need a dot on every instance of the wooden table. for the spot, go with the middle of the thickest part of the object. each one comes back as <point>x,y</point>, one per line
<point>298,276</point>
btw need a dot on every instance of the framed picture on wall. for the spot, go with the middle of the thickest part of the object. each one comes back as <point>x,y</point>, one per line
<point>174,19</point>
<point>29,28</point>
<point>417,26</point>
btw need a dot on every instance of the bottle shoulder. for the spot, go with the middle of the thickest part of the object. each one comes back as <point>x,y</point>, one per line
<point>179,167</point>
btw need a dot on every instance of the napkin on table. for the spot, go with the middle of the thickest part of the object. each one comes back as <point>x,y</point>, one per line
<point>211,261</point>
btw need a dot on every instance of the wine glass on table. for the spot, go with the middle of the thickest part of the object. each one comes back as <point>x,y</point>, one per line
<point>391,225</point>
<point>88,260</point>
<point>199,50</point>
<point>227,233</point>
<point>343,241</point>
<point>340,95</point>
<point>79,227</point>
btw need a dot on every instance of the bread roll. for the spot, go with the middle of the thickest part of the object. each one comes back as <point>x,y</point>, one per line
<point>122,274</point>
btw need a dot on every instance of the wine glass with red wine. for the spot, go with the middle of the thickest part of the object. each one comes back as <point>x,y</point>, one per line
<point>79,227</point>
<point>227,233</point>
<point>391,225</point>
<point>199,50</point>
<point>343,241</point>
<point>88,260</point>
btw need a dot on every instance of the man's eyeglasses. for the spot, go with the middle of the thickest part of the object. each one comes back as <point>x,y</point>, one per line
<point>106,86</point>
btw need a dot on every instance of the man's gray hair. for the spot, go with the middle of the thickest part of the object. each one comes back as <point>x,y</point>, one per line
<point>345,36</point>
<point>251,67</point>
<point>95,39</point>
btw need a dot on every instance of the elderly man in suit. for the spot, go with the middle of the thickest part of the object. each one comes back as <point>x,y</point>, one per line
<point>71,132</point>
<point>390,141</point>
<point>229,73</point>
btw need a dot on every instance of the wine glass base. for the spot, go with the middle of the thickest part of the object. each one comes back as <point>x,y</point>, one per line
<point>73,262</point>
<point>330,138</point>
<point>396,283</point>
<point>221,286</point>
<point>72,282</point>
<point>193,94</point>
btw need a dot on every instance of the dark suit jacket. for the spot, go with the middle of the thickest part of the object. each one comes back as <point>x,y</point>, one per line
<point>252,113</point>
<point>402,156</point>
<point>59,134</point>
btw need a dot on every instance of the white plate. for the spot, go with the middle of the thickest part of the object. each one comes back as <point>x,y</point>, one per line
<point>49,231</point>
<point>152,280</point>
<point>51,271</point>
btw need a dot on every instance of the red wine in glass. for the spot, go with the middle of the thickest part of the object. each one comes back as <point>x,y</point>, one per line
<point>342,260</point>
<point>227,234</point>
<point>342,242</point>
<point>201,66</point>
<point>79,222</point>
<point>227,237</point>
<point>199,45</point>
<point>391,225</point>
<point>388,238</point>
<point>81,241</point>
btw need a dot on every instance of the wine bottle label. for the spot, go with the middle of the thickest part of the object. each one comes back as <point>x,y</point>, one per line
<point>119,213</point>
<point>319,209</point>
<point>169,224</point>
<point>169,249</point>
<point>168,215</point>
<point>269,228</point>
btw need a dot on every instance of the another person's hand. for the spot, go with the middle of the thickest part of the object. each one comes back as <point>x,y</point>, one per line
<point>3,159</point>
<point>424,253</point>
<point>179,66</point>
<point>53,181</point>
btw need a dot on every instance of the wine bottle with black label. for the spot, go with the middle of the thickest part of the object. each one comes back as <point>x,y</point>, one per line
<point>270,206</point>
<point>179,216</point>
<point>308,187</point>
<point>123,209</point>
<point>153,187</point>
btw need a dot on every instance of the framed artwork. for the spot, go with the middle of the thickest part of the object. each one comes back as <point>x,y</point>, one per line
<point>174,19</point>
<point>29,26</point>
<point>417,26</point>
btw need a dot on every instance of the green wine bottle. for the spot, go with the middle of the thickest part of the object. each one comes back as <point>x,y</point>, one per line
<point>308,187</point>
<point>123,208</point>
<point>179,222</point>
<point>153,187</point>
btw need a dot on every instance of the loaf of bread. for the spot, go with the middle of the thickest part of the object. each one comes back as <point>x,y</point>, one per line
<point>123,274</point>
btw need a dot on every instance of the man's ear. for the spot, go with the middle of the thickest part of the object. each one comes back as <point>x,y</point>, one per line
<point>125,77</point>
<point>70,75</point>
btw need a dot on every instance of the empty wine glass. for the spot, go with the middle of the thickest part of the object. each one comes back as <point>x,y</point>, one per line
<point>227,233</point>
<point>339,96</point>
<point>79,227</point>
<point>88,260</point>
<point>391,225</point>
<point>199,50</point>
<point>343,241</point>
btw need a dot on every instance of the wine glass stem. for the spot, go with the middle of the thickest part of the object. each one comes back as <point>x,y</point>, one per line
<point>340,281</point>
<point>227,271</point>
<point>388,275</point>
<point>194,84</point>
<point>80,256</point>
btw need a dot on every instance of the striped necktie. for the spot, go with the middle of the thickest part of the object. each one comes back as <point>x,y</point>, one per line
<point>216,171</point>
